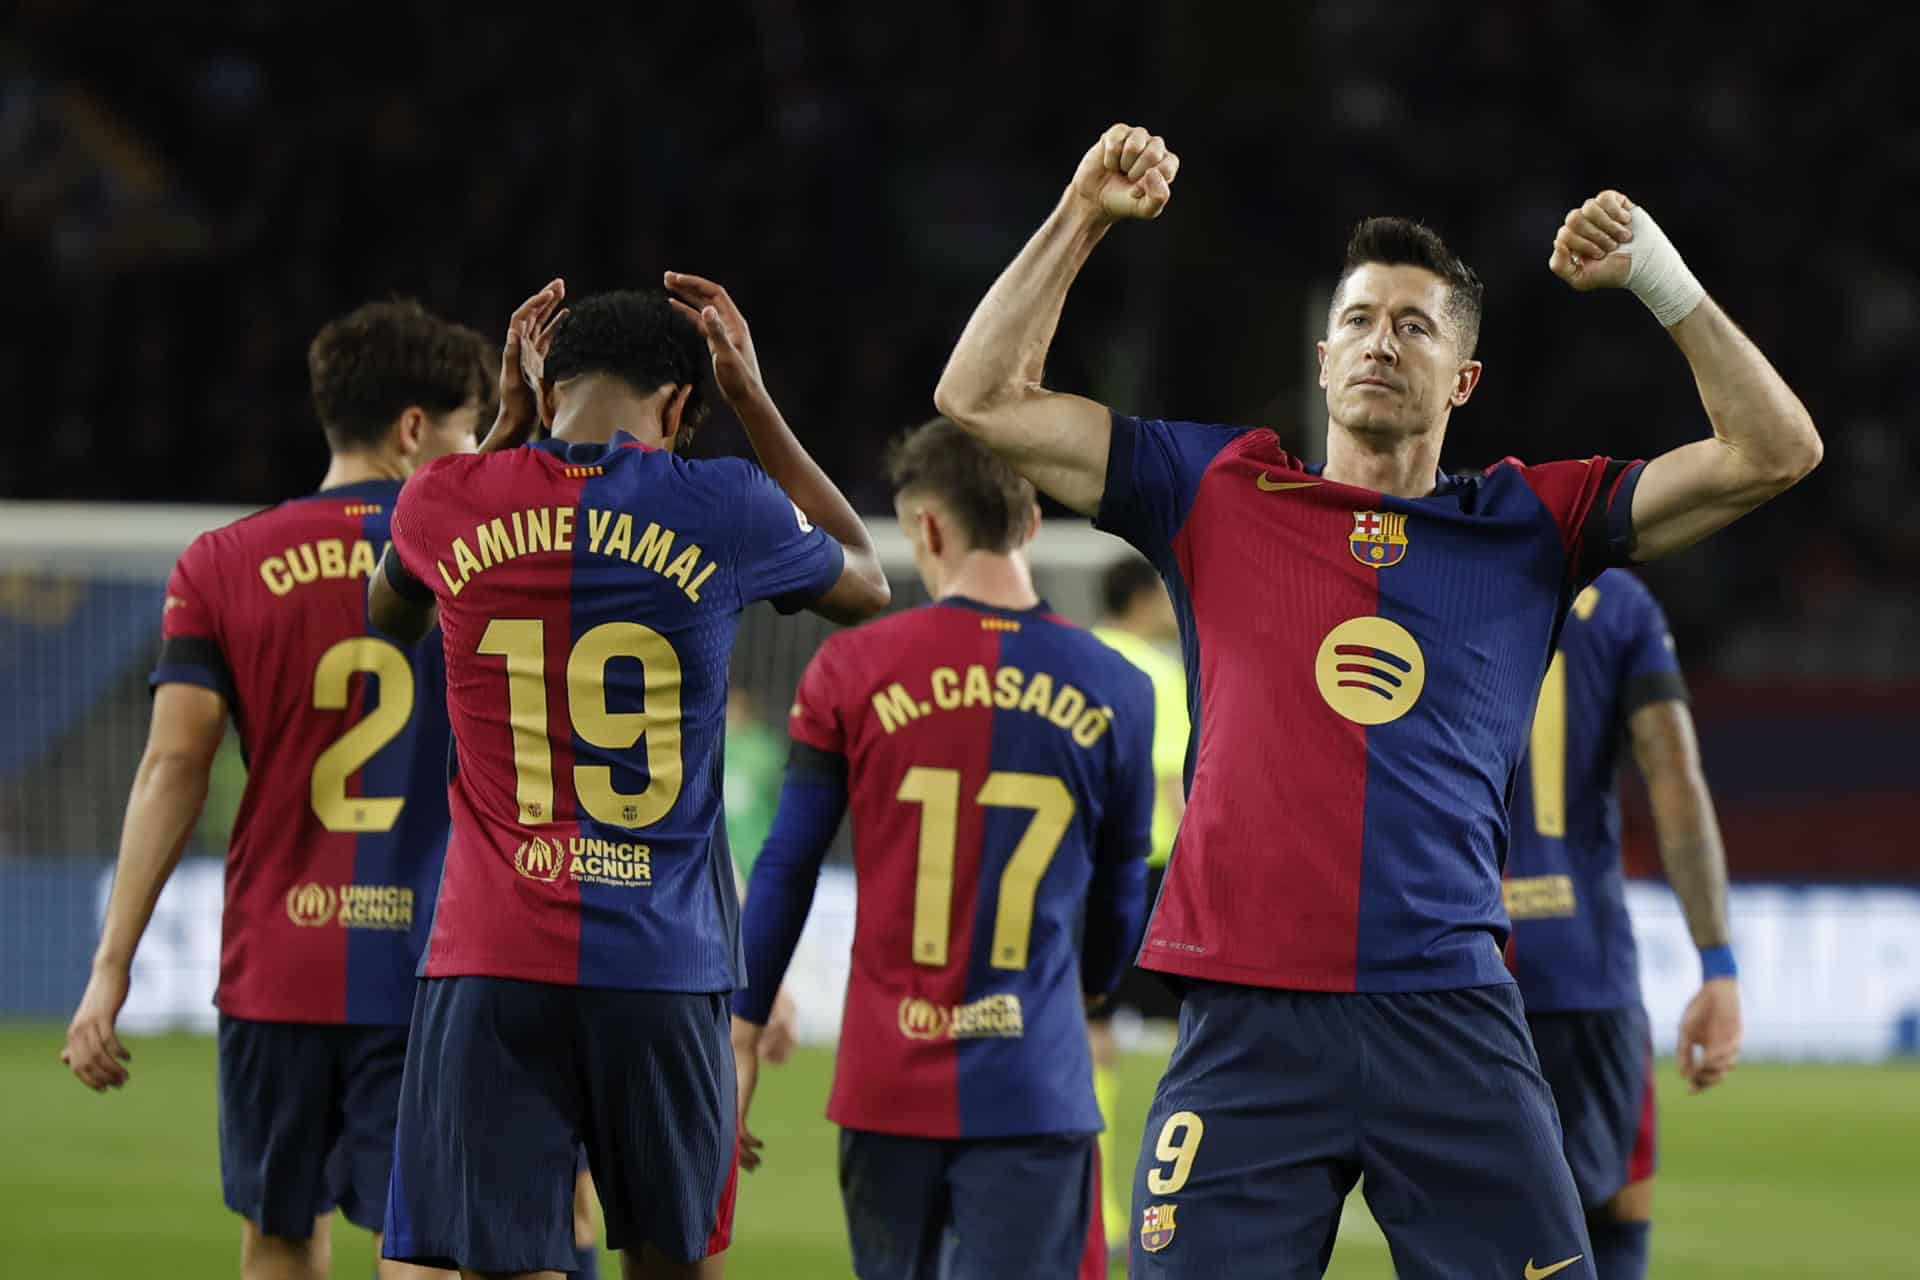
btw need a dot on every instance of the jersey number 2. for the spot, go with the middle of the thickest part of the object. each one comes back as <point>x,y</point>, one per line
<point>384,721</point>
<point>937,792</point>
<point>523,643</point>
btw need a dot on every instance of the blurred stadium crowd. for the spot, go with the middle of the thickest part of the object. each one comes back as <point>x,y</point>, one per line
<point>188,191</point>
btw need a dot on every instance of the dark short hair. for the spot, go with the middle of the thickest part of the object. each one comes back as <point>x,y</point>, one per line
<point>993,503</point>
<point>381,359</point>
<point>1123,580</point>
<point>485,353</point>
<point>1402,242</point>
<point>636,336</point>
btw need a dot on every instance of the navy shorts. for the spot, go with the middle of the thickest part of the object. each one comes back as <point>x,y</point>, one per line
<point>1599,1064</point>
<point>970,1209</point>
<point>1276,1102</point>
<point>306,1121</point>
<point>506,1082</point>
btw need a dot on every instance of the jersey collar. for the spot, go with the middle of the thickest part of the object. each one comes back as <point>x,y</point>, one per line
<point>586,452</point>
<point>1442,482</point>
<point>968,602</point>
<point>359,489</point>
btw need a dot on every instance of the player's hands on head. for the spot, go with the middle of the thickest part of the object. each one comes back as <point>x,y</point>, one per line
<point>746,1068</point>
<point>93,1051</point>
<point>1587,249</point>
<point>530,333</point>
<point>736,366</point>
<point>1710,1032</point>
<point>1128,173</point>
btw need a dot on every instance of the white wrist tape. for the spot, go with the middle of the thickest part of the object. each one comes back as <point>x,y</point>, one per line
<point>1658,276</point>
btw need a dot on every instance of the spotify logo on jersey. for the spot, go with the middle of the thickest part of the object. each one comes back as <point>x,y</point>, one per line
<point>1370,670</point>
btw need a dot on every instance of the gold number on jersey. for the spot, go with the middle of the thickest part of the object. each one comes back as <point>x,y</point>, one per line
<point>1547,752</point>
<point>1180,1150</point>
<point>522,642</point>
<point>937,792</point>
<point>332,687</point>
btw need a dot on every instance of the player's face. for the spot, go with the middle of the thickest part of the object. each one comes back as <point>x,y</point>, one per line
<point>455,432</point>
<point>1389,363</point>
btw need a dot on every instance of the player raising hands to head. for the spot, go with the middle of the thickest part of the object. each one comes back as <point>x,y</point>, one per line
<point>588,589</point>
<point>1364,642</point>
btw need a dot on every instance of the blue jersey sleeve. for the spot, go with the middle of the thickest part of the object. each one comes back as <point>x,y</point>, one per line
<point>782,557</point>
<point>812,802</point>
<point>1117,896</point>
<point>1649,666</point>
<point>1153,473</point>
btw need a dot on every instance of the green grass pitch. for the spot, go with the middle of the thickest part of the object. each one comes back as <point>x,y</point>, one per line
<point>1785,1171</point>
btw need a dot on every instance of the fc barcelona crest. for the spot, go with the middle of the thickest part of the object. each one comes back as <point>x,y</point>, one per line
<point>1379,538</point>
<point>1156,1227</point>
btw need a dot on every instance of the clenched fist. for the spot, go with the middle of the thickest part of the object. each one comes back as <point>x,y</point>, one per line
<point>1128,173</point>
<point>1588,249</point>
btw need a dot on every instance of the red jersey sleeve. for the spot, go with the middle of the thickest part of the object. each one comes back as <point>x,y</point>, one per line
<point>190,651</point>
<point>1591,501</point>
<point>816,719</point>
<point>420,507</point>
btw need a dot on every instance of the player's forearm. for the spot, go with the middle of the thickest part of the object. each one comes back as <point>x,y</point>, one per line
<point>392,612</point>
<point>1754,413</point>
<point>168,793</point>
<point>1003,350</point>
<point>1695,862</point>
<point>786,460</point>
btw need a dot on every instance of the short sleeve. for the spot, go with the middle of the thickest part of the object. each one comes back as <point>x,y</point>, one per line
<point>815,720</point>
<point>407,526</point>
<point>190,650</point>
<point>783,558</point>
<point>1153,473</point>
<point>1649,666</point>
<point>1591,502</point>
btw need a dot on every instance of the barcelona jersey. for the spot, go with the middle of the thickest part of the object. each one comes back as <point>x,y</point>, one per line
<point>1572,944</point>
<point>336,850</point>
<point>1360,672</point>
<point>998,765</point>
<point>588,598</point>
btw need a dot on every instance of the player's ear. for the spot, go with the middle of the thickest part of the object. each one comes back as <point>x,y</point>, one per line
<point>409,431</point>
<point>932,536</point>
<point>1033,524</point>
<point>1320,349</point>
<point>1464,381</point>
<point>671,415</point>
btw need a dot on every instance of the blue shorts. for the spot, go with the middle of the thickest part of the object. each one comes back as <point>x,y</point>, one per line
<point>1599,1064</point>
<point>506,1082</point>
<point>1276,1102</point>
<point>306,1121</point>
<point>970,1209</point>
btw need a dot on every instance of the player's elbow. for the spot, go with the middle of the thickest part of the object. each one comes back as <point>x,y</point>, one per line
<point>1799,451</point>
<point>969,403</point>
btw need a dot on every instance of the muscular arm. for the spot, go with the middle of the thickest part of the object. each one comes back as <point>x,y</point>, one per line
<point>1683,816</point>
<point>991,385</point>
<point>168,791</point>
<point>1763,441</point>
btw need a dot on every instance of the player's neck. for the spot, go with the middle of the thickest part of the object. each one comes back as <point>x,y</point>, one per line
<point>360,466</point>
<point>1402,466</point>
<point>992,578</point>
<point>595,407</point>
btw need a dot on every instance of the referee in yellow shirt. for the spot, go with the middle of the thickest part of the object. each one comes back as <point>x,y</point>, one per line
<point>1138,621</point>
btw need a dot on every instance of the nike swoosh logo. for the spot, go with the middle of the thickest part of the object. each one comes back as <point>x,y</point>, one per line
<point>1267,484</point>
<point>1541,1273</point>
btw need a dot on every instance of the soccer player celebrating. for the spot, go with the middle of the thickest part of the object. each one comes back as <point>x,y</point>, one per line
<point>586,934</point>
<point>997,762</point>
<point>336,849</point>
<point>1137,619</point>
<point>1614,677</point>
<point>1364,643</point>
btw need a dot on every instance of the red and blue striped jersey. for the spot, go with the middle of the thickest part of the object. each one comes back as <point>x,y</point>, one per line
<point>588,599</point>
<point>1360,672</point>
<point>998,766</point>
<point>336,850</point>
<point>1572,945</point>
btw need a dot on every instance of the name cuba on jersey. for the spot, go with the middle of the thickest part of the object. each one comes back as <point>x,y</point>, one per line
<point>323,559</point>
